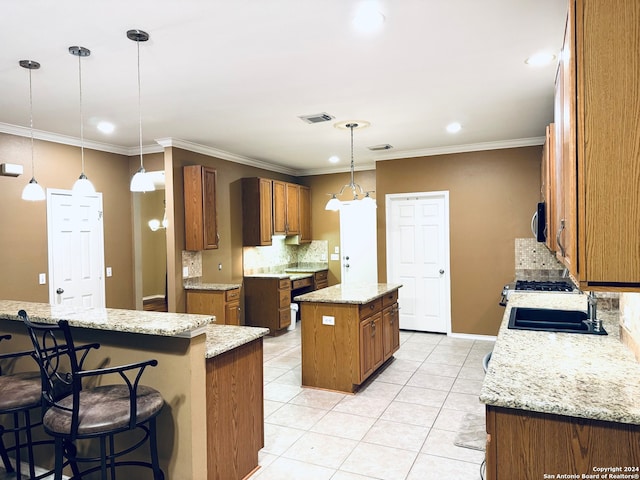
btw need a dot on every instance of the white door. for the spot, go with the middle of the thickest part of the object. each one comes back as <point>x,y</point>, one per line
<point>418,258</point>
<point>76,249</point>
<point>358,244</point>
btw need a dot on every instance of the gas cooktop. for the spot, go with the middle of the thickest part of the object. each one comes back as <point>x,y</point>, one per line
<point>545,286</point>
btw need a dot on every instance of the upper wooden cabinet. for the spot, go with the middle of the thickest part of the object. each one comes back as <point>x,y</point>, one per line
<point>286,208</point>
<point>257,211</point>
<point>548,185</point>
<point>200,217</point>
<point>274,207</point>
<point>600,144</point>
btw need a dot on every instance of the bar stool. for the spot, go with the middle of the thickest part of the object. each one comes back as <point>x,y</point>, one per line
<point>20,393</point>
<point>97,412</point>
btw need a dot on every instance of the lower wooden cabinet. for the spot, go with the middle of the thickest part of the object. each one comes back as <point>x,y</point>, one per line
<point>390,330</point>
<point>371,344</point>
<point>267,302</point>
<point>321,279</point>
<point>527,445</point>
<point>224,304</point>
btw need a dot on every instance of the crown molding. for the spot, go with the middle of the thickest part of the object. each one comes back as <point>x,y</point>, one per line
<point>224,155</point>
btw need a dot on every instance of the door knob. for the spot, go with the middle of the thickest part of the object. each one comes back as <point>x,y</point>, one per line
<point>441,271</point>
<point>346,265</point>
<point>60,291</point>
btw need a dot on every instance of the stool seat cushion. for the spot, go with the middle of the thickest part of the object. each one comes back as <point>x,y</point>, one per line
<point>103,409</point>
<point>20,390</point>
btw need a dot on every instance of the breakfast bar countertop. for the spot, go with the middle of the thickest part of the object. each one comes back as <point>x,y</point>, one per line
<point>350,294</point>
<point>569,374</point>
<point>214,287</point>
<point>112,319</point>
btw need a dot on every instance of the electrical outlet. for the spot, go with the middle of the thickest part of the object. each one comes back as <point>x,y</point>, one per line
<point>219,266</point>
<point>185,272</point>
<point>109,272</point>
<point>42,278</point>
<point>323,257</point>
<point>335,257</point>
<point>328,320</point>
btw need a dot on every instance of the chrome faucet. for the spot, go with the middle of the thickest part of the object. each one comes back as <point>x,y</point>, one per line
<point>592,312</point>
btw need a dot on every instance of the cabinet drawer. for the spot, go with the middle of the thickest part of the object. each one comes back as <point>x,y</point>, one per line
<point>284,298</point>
<point>284,318</point>
<point>321,275</point>
<point>301,282</point>
<point>284,283</point>
<point>390,298</point>
<point>232,294</point>
<point>322,284</point>
<point>370,308</point>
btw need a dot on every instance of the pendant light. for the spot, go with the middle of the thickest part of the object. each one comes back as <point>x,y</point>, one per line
<point>32,191</point>
<point>141,181</point>
<point>334,203</point>
<point>83,185</point>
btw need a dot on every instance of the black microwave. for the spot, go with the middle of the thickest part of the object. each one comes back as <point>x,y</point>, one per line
<point>539,223</point>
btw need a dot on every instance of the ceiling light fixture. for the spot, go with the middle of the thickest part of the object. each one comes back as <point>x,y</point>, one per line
<point>83,185</point>
<point>141,182</point>
<point>540,59</point>
<point>155,224</point>
<point>454,127</point>
<point>368,18</point>
<point>32,191</point>
<point>334,203</point>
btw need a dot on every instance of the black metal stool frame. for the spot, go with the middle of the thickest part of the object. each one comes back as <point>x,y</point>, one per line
<point>52,342</point>
<point>17,428</point>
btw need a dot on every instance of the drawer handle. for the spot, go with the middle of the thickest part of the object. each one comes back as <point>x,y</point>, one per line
<point>371,307</point>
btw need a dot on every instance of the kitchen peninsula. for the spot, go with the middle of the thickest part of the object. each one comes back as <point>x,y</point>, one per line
<point>560,402</point>
<point>210,376</point>
<point>348,332</point>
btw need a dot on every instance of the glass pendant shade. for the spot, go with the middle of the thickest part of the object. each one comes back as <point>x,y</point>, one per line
<point>333,204</point>
<point>83,186</point>
<point>142,182</point>
<point>33,191</point>
<point>367,200</point>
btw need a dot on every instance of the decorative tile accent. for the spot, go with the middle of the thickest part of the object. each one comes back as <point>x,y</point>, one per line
<point>534,259</point>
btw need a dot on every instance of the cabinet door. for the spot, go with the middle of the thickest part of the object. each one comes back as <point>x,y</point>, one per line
<point>390,330</point>
<point>279,208</point>
<point>371,345</point>
<point>293,209</point>
<point>548,186</point>
<point>305,214</point>
<point>257,211</point>
<point>201,225</point>
<point>232,313</point>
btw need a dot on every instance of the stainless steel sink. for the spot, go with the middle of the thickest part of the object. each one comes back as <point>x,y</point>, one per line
<point>549,320</point>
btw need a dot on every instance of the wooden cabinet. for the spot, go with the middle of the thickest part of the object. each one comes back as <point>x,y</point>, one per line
<point>200,217</point>
<point>224,304</point>
<point>304,213</point>
<point>390,324</point>
<point>257,211</point>
<point>598,140</point>
<point>267,303</point>
<point>548,185</point>
<point>286,217</point>
<point>343,344</point>
<point>527,445</point>
<point>371,338</point>
<point>321,279</point>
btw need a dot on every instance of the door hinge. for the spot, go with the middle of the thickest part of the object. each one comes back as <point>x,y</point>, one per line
<point>99,215</point>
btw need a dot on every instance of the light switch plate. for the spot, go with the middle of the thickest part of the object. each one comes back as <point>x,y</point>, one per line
<point>109,272</point>
<point>42,278</point>
<point>336,250</point>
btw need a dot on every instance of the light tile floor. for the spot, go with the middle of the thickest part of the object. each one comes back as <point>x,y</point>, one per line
<point>401,426</point>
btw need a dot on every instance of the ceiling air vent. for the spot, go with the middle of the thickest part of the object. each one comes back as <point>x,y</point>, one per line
<point>377,148</point>
<point>316,118</point>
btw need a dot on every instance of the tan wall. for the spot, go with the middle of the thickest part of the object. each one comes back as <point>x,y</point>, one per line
<point>154,244</point>
<point>492,195</point>
<point>229,209</point>
<point>23,242</point>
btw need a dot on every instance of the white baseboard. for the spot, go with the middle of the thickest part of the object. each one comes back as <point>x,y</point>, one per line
<point>469,336</point>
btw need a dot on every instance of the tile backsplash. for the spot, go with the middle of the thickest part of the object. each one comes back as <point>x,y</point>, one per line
<point>279,255</point>
<point>534,261</point>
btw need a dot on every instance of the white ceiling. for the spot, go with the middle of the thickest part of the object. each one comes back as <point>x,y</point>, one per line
<point>233,76</point>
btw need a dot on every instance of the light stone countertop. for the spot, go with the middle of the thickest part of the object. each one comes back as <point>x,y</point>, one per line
<point>350,294</point>
<point>281,276</point>
<point>222,338</point>
<point>576,375</point>
<point>116,320</point>
<point>214,287</point>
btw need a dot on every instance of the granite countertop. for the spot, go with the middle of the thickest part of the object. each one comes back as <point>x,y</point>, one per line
<point>217,287</point>
<point>352,294</point>
<point>116,320</point>
<point>222,338</point>
<point>308,268</point>
<point>281,276</point>
<point>576,375</point>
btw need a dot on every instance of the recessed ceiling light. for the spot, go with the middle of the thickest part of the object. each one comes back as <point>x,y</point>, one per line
<point>454,127</point>
<point>334,159</point>
<point>106,127</point>
<point>540,59</point>
<point>368,18</point>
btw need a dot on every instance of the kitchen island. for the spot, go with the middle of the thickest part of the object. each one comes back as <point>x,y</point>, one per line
<point>348,332</point>
<point>210,376</point>
<point>561,403</point>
